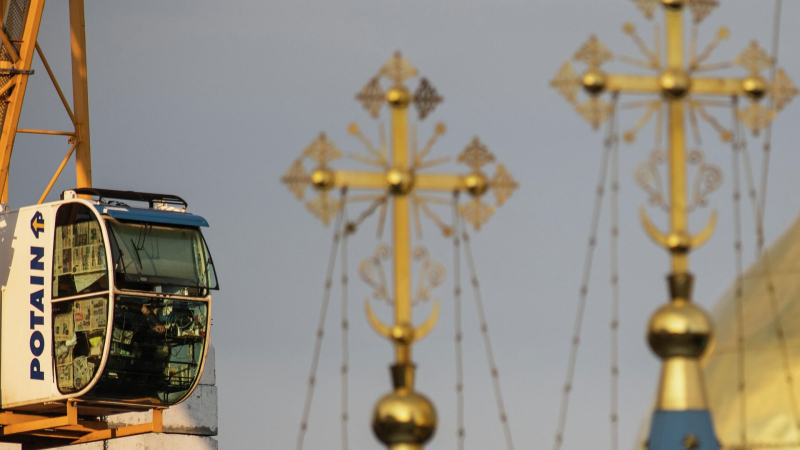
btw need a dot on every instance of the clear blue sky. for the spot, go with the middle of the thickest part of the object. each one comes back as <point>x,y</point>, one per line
<point>214,100</point>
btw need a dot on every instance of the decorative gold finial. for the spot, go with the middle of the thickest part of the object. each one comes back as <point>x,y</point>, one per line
<point>400,180</point>
<point>404,419</point>
<point>476,184</point>
<point>398,97</point>
<point>679,328</point>
<point>594,81</point>
<point>674,83</point>
<point>754,59</point>
<point>594,54</point>
<point>398,70</point>
<point>754,86</point>
<point>322,179</point>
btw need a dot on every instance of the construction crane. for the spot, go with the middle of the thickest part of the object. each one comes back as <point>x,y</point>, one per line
<point>106,294</point>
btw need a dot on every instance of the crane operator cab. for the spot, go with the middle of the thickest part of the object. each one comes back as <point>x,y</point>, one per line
<point>103,303</point>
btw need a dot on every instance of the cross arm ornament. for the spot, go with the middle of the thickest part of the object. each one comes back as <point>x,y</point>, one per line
<point>675,78</point>
<point>699,86</point>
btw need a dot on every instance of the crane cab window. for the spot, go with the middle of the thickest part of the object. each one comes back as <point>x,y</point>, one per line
<point>156,351</point>
<point>79,320</point>
<point>161,258</point>
<point>79,259</point>
<point>79,331</point>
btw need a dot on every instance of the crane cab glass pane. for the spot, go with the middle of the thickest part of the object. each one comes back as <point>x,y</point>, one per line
<point>161,258</point>
<point>79,331</point>
<point>79,258</point>
<point>156,350</point>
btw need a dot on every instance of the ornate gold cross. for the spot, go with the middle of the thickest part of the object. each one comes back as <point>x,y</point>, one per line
<point>678,332</point>
<point>682,89</point>
<point>401,180</point>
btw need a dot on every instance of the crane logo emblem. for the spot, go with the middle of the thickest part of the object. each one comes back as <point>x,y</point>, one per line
<point>37,224</point>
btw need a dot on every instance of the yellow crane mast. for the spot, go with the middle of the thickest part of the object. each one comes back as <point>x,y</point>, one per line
<point>20,29</point>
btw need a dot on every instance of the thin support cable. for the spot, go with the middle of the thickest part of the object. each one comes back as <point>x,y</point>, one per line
<point>737,246</point>
<point>487,343</point>
<point>613,415</point>
<point>459,335</point>
<point>776,34</point>
<point>587,271</point>
<point>377,203</point>
<point>312,376</point>
<point>751,186</point>
<point>345,368</point>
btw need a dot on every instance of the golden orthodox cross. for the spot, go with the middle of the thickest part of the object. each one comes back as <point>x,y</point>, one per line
<point>401,179</point>
<point>681,88</point>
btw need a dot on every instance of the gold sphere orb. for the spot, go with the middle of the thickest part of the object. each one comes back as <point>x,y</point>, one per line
<point>755,87</point>
<point>402,334</point>
<point>398,97</point>
<point>679,328</point>
<point>675,83</point>
<point>322,179</point>
<point>476,184</point>
<point>401,181</point>
<point>594,81</point>
<point>678,242</point>
<point>673,4</point>
<point>404,420</point>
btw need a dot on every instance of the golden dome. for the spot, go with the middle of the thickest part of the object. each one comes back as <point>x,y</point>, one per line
<point>769,396</point>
